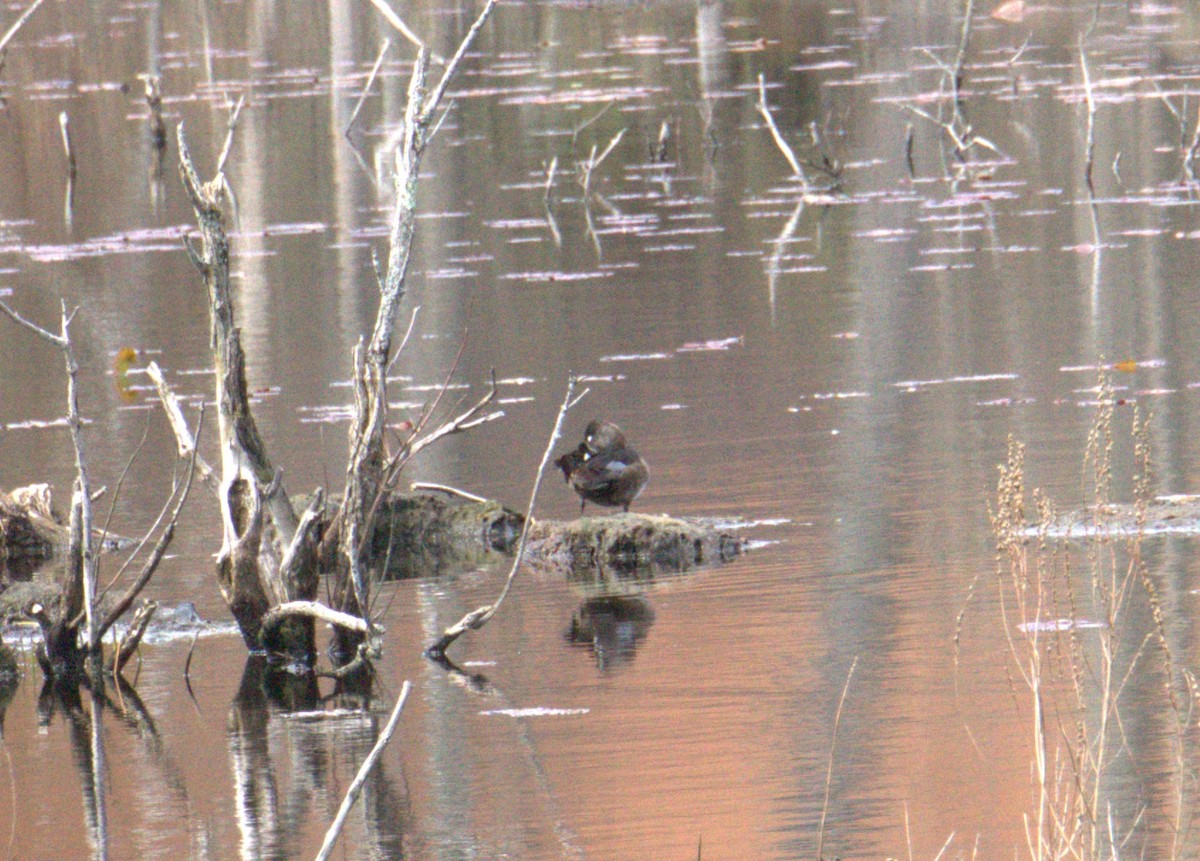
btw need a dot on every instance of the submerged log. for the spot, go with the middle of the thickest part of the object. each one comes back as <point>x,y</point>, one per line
<point>423,534</point>
<point>417,535</point>
<point>626,544</point>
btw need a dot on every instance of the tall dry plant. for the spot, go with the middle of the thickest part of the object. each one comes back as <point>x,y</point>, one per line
<point>1074,646</point>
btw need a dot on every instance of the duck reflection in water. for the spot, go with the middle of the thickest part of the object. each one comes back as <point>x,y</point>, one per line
<point>604,469</point>
<point>611,626</point>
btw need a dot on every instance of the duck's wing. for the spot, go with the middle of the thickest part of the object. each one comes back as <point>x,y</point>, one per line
<point>602,470</point>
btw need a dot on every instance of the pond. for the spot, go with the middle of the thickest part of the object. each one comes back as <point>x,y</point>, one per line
<point>841,370</point>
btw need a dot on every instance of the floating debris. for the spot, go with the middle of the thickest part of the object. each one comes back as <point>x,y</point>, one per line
<point>716,345</point>
<point>536,711</point>
<point>634,357</point>
<point>1058,625</point>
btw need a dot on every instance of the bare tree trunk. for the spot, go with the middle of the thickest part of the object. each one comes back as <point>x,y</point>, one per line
<point>370,472</point>
<point>260,527</point>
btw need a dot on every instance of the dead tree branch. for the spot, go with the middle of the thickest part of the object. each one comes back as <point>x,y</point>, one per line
<point>184,438</point>
<point>1090,139</point>
<point>152,562</point>
<point>389,15</point>
<point>339,820</point>
<point>82,560</point>
<point>128,644</point>
<point>17,25</point>
<point>259,524</point>
<point>387,43</point>
<point>313,610</point>
<point>367,470</point>
<point>593,161</point>
<point>780,143</point>
<point>479,617</point>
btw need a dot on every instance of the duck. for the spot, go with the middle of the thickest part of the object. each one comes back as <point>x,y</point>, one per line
<point>603,468</point>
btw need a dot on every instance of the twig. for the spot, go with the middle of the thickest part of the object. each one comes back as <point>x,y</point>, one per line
<point>184,439</point>
<point>64,125</point>
<point>235,112</point>
<point>364,770</point>
<point>187,662</point>
<point>396,21</point>
<point>151,563</point>
<point>945,846</point>
<point>780,143</point>
<point>16,25</point>
<point>445,488</point>
<point>594,161</point>
<point>387,43</point>
<point>479,617</point>
<point>837,719</point>
<point>964,40</point>
<point>129,643</point>
<point>436,96</point>
<point>1091,116</point>
<point>412,324</point>
<point>575,132</point>
<point>550,170</point>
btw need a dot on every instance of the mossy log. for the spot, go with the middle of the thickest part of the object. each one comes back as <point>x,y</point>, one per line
<point>424,534</point>
<point>418,535</point>
<point>629,547</point>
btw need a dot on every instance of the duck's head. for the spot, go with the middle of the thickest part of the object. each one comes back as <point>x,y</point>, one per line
<point>603,436</point>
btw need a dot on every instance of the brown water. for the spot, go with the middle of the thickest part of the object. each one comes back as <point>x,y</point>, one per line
<point>844,374</point>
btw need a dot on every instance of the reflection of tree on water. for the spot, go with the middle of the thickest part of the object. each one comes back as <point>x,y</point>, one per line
<point>611,626</point>
<point>287,711</point>
<point>285,748</point>
<point>87,744</point>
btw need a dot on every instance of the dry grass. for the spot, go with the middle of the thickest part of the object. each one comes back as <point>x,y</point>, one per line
<point>1074,646</point>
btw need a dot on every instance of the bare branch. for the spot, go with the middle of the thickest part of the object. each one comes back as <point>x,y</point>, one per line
<point>1091,115</point>
<point>56,340</point>
<point>335,829</point>
<point>396,21</point>
<point>594,161</point>
<point>780,143</point>
<point>436,96</point>
<point>18,24</point>
<point>575,132</point>
<point>469,418</point>
<point>412,323</point>
<point>133,637</point>
<point>152,562</point>
<point>479,617</point>
<point>234,113</point>
<point>445,488</point>
<point>387,43</point>
<point>278,613</point>
<point>184,440</point>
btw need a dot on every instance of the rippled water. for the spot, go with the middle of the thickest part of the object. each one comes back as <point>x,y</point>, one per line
<point>845,372</point>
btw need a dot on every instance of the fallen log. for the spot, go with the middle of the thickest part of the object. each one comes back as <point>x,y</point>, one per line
<point>626,544</point>
<point>422,534</point>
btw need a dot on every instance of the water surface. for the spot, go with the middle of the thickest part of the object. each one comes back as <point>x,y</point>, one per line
<point>845,370</point>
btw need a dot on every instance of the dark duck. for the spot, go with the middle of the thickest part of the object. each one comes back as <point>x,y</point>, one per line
<point>604,469</point>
